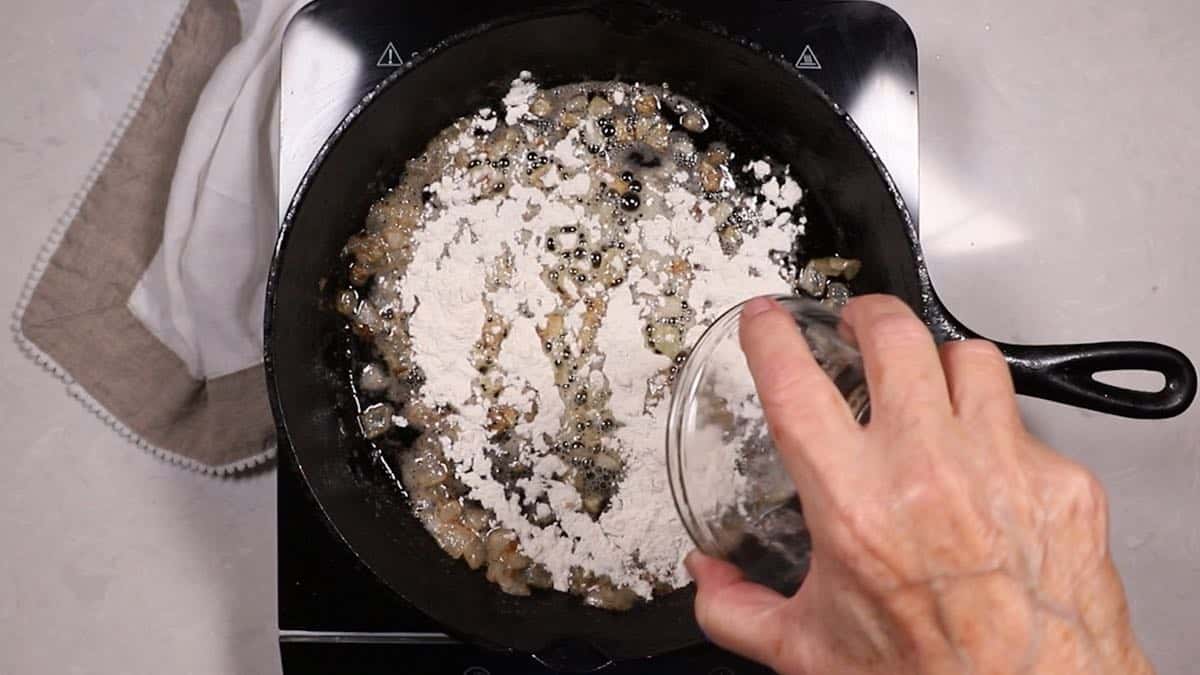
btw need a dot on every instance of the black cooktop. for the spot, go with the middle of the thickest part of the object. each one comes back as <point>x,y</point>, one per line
<point>334,615</point>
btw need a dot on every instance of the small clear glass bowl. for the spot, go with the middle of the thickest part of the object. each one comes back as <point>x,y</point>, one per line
<point>731,490</point>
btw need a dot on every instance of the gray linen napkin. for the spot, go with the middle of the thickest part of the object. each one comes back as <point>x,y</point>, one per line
<point>73,317</point>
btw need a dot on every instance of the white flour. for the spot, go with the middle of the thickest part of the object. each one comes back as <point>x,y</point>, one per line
<point>720,484</point>
<point>459,247</point>
<point>516,102</point>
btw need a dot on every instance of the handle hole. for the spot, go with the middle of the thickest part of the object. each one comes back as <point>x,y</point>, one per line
<point>1149,381</point>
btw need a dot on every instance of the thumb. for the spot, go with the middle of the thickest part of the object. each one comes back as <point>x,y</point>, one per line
<point>737,614</point>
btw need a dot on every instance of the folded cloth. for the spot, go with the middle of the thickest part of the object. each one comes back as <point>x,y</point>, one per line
<point>148,298</point>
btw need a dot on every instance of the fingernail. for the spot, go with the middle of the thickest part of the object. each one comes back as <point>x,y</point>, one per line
<point>757,306</point>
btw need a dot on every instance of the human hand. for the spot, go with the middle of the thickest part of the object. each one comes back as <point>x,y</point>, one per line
<point>946,539</point>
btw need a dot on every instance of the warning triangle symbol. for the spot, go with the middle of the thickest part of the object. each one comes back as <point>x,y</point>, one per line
<point>808,59</point>
<point>390,58</point>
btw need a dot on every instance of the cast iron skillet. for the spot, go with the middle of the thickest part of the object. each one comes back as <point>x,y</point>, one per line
<point>854,210</point>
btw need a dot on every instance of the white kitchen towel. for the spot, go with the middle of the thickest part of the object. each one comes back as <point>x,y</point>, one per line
<point>203,293</point>
<point>147,297</point>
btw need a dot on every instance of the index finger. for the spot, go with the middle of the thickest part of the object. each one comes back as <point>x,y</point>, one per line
<point>901,362</point>
<point>804,409</point>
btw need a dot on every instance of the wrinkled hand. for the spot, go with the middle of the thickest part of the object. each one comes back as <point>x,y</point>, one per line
<point>946,539</point>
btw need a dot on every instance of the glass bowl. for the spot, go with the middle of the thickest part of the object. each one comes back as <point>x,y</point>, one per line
<point>731,490</point>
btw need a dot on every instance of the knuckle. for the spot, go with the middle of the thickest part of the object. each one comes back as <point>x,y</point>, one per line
<point>974,351</point>
<point>795,426</point>
<point>787,383</point>
<point>764,332</point>
<point>866,305</point>
<point>914,409</point>
<point>920,487</point>
<point>1085,495</point>
<point>896,330</point>
<point>759,322</point>
<point>1096,499</point>
<point>980,383</point>
<point>910,411</point>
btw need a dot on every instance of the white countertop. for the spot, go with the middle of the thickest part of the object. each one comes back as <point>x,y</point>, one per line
<point>1060,152</point>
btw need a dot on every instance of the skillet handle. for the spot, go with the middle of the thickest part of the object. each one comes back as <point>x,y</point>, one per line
<point>1066,374</point>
